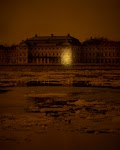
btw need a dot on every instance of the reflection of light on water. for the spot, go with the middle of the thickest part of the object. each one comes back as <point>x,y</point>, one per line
<point>66,57</point>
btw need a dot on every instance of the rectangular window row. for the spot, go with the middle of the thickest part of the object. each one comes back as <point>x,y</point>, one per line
<point>45,48</point>
<point>99,61</point>
<point>98,54</point>
<point>44,54</point>
<point>98,48</point>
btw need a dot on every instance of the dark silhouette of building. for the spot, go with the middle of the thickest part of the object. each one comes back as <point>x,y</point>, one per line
<point>62,50</point>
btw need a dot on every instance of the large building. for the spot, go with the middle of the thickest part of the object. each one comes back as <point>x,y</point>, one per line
<point>99,51</point>
<point>62,50</point>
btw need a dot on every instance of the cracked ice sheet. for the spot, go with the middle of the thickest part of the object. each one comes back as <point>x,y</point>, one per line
<point>73,130</point>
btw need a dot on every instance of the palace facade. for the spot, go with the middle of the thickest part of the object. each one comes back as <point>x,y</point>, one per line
<point>61,50</point>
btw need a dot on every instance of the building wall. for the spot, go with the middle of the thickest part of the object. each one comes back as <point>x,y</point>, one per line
<point>100,54</point>
<point>8,55</point>
<point>12,56</point>
<point>22,54</point>
<point>105,53</point>
<point>43,54</point>
<point>3,56</point>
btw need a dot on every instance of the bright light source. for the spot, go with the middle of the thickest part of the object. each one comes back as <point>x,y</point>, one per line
<point>66,57</point>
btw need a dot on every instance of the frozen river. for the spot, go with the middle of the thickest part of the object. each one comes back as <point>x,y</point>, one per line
<point>68,118</point>
<point>16,99</point>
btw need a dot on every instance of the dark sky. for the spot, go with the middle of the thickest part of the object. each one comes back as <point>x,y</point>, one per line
<point>20,19</point>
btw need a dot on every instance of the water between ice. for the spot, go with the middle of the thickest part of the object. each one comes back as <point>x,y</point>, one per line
<point>16,98</point>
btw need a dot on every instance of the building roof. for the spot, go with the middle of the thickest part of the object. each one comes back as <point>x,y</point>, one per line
<point>23,43</point>
<point>57,40</point>
<point>100,41</point>
<point>7,48</point>
<point>2,47</point>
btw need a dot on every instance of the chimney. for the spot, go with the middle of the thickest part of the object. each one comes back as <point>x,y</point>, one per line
<point>35,35</point>
<point>51,34</point>
<point>68,34</point>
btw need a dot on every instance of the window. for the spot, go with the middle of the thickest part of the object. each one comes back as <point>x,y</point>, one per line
<point>97,60</point>
<point>34,60</point>
<point>97,54</point>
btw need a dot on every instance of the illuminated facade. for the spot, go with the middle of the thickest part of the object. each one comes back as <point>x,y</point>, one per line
<point>62,50</point>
